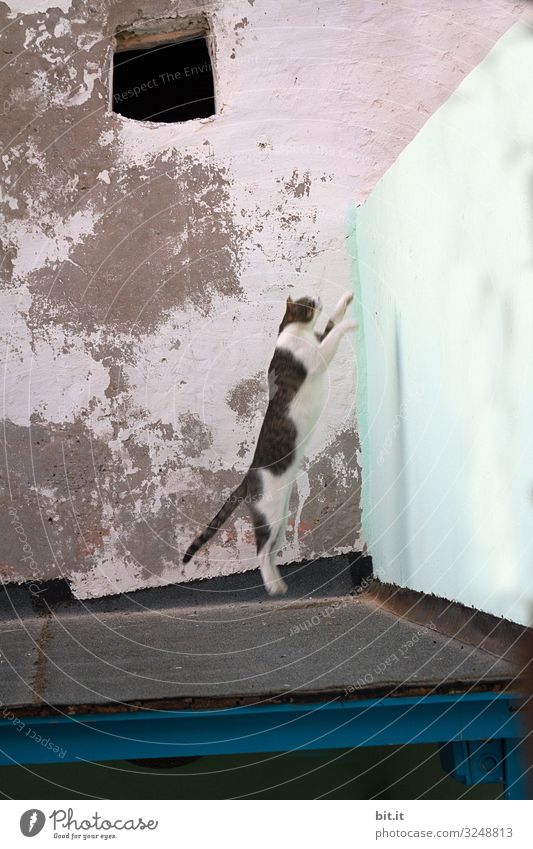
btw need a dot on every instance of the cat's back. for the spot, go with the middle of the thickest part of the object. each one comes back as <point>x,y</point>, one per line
<point>294,403</point>
<point>286,375</point>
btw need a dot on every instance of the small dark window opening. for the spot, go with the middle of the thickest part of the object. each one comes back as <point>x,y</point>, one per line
<point>156,78</point>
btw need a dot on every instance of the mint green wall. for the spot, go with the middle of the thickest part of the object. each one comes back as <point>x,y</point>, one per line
<point>445,285</point>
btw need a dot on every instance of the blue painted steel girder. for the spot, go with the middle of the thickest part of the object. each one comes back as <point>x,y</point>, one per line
<point>262,728</point>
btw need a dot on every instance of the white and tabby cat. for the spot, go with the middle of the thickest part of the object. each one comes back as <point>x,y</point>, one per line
<point>296,382</point>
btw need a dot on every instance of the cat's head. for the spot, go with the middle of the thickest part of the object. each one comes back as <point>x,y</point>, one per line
<point>303,311</point>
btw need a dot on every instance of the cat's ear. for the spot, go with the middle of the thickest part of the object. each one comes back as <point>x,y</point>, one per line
<point>289,300</point>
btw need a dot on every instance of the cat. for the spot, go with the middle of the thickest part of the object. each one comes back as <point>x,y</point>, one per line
<point>296,393</point>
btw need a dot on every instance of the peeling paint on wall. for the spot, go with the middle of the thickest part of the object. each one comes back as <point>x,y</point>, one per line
<point>145,268</point>
<point>30,7</point>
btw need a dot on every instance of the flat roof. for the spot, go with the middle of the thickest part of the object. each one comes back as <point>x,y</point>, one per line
<point>223,642</point>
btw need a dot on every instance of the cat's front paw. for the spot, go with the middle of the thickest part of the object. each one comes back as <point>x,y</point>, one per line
<point>276,587</point>
<point>348,325</point>
<point>342,306</point>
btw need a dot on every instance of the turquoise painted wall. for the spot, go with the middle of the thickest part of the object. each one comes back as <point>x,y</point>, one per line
<point>444,275</point>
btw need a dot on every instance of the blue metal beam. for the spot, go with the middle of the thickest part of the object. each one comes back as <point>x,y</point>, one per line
<point>265,728</point>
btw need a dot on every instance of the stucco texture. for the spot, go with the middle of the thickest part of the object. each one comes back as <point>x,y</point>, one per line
<point>145,267</point>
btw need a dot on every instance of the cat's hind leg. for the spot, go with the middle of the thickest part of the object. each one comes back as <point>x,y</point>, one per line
<point>279,528</point>
<point>277,543</point>
<point>274,583</point>
<point>266,535</point>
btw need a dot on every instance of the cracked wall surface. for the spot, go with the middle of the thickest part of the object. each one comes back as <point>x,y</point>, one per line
<point>145,267</point>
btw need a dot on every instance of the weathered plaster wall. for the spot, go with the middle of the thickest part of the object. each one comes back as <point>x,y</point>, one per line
<point>145,267</point>
<point>445,250</point>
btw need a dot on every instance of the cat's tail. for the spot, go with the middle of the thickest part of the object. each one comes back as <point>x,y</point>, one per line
<point>222,516</point>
